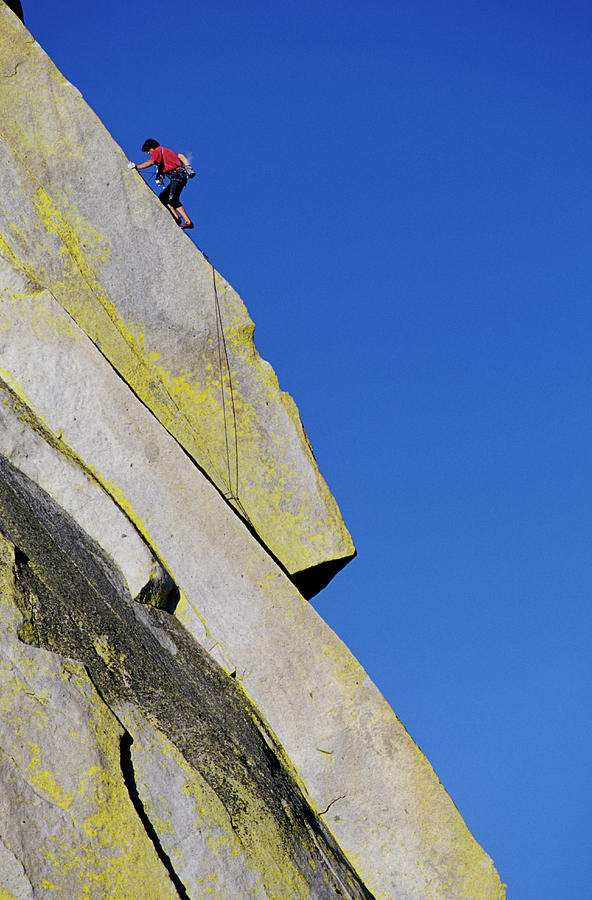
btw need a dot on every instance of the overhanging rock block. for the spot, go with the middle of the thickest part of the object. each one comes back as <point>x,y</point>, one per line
<point>77,221</point>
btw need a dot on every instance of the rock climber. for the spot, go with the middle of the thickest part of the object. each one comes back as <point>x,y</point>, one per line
<point>172,165</point>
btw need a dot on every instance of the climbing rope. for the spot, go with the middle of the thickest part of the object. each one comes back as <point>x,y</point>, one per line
<point>233,492</point>
<point>223,350</point>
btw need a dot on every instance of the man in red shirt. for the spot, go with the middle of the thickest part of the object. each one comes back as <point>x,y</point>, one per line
<point>172,165</point>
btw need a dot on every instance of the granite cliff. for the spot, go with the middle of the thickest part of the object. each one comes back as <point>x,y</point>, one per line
<point>175,718</point>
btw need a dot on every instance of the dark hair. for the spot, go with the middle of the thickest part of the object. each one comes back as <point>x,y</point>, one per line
<point>149,144</point>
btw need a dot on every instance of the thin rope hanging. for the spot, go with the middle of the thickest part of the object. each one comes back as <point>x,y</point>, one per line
<point>222,346</point>
<point>233,494</point>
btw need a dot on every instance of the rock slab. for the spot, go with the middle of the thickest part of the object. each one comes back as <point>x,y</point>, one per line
<point>174,329</point>
<point>229,732</point>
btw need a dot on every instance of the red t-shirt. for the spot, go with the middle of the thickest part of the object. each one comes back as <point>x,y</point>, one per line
<point>167,160</point>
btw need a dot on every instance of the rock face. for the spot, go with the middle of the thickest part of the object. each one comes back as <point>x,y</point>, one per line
<point>170,325</point>
<point>141,694</point>
<point>175,718</point>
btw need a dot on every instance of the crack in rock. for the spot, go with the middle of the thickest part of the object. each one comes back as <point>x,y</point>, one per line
<point>129,779</point>
<point>13,877</point>
<point>325,811</point>
<point>16,68</point>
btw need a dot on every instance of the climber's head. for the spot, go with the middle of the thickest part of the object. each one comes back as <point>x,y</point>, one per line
<point>149,145</point>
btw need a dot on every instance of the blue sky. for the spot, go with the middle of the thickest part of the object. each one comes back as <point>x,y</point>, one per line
<point>401,193</point>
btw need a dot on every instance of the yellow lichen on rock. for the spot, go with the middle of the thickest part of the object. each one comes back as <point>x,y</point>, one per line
<point>126,359</point>
<point>89,840</point>
<point>219,859</point>
<point>166,320</point>
<point>239,604</point>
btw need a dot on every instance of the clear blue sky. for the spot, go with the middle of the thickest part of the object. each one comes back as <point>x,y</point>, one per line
<point>401,193</point>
